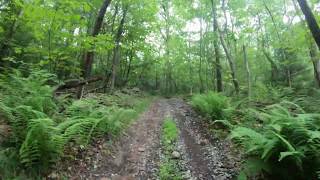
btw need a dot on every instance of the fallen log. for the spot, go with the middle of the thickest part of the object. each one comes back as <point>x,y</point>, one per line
<point>74,83</point>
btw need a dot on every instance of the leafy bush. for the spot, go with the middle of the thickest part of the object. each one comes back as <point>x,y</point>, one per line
<point>285,147</point>
<point>211,104</point>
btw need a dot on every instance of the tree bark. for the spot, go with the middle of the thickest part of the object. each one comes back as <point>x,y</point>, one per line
<point>316,63</point>
<point>231,63</point>
<point>313,51</point>
<point>200,57</point>
<point>89,55</point>
<point>311,21</point>
<point>274,67</point>
<point>116,53</point>
<point>246,62</point>
<point>168,66</point>
<point>216,48</point>
<point>127,73</point>
<point>76,83</point>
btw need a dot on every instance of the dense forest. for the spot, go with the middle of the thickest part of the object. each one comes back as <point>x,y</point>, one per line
<point>155,82</point>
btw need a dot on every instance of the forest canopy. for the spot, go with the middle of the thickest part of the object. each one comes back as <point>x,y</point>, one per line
<point>169,46</point>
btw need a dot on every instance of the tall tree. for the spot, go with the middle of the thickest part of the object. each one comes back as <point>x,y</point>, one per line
<point>231,63</point>
<point>116,51</point>
<point>216,48</point>
<point>248,72</point>
<point>311,21</point>
<point>313,51</point>
<point>89,55</point>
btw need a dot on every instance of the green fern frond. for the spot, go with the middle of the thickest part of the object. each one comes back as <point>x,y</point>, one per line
<point>41,146</point>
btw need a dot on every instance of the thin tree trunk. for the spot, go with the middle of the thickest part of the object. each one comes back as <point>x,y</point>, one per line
<point>246,62</point>
<point>129,67</point>
<point>116,53</point>
<point>200,58</point>
<point>168,67</point>
<point>190,68</point>
<point>216,48</point>
<point>274,67</point>
<point>110,51</point>
<point>231,64</point>
<point>316,63</point>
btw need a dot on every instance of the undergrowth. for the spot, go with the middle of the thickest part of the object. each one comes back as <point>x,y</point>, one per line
<point>39,132</point>
<point>213,105</point>
<point>286,146</point>
<point>280,140</point>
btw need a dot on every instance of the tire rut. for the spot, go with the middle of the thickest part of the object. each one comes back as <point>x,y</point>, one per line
<point>206,157</point>
<point>136,155</point>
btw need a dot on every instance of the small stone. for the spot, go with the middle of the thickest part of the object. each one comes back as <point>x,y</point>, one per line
<point>175,155</point>
<point>203,142</point>
<point>105,145</point>
<point>187,175</point>
<point>141,149</point>
<point>53,176</point>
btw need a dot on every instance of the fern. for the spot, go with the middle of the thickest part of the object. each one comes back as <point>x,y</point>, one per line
<point>211,104</point>
<point>39,133</point>
<point>42,146</point>
<point>288,143</point>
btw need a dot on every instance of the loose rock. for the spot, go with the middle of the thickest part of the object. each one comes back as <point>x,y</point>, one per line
<point>176,155</point>
<point>141,149</point>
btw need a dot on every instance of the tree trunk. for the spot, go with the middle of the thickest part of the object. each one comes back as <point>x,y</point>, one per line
<point>216,49</point>
<point>129,67</point>
<point>274,67</point>
<point>311,21</point>
<point>312,50</point>
<point>246,62</point>
<point>116,53</point>
<point>190,68</point>
<point>166,36</point>
<point>231,64</point>
<point>89,55</point>
<point>316,63</point>
<point>200,58</point>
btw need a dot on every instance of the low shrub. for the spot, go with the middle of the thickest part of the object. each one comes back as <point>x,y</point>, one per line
<point>212,104</point>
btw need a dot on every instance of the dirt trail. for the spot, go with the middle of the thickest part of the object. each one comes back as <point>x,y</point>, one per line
<point>136,155</point>
<point>206,156</point>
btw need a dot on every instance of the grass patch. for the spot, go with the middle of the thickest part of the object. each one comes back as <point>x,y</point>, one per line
<point>169,168</point>
<point>170,132</point>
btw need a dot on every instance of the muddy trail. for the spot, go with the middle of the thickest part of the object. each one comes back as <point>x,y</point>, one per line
<point>137,153</point>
